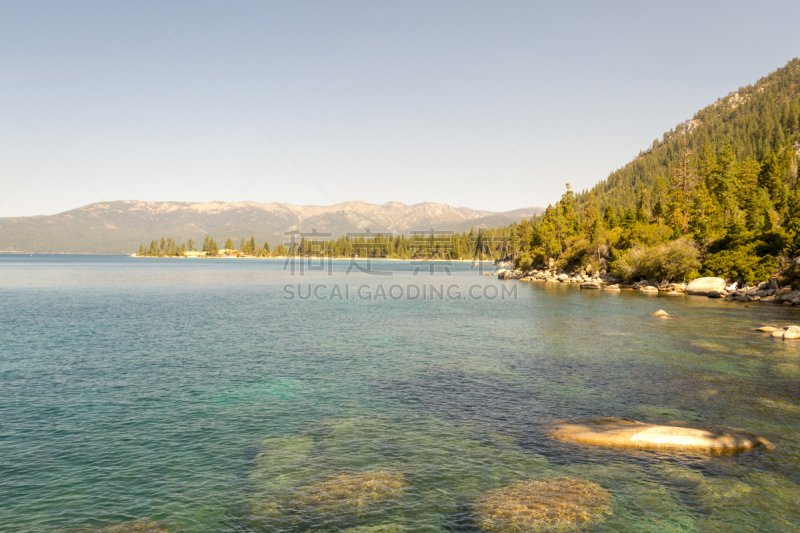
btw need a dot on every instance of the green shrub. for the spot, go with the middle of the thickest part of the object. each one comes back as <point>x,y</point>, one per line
<point>647,235</point>
<point>524,262</point>
<point>577,255</point>
<point>671,261</point>
<point>741,262</point>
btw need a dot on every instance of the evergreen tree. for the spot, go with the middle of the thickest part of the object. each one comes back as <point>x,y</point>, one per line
<point>609,217</point>
<point>641,212</point>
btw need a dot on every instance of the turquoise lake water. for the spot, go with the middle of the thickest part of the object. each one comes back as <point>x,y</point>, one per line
<point>193,392</point>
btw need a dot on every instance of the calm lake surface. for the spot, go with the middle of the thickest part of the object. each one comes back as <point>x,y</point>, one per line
<point>194,393</point>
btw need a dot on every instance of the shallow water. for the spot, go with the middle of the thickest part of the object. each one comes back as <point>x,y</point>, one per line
<point>192,392</point>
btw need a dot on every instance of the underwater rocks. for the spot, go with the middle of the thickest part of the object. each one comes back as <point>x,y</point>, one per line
<point>555,504</point>
<point>138,526</point>
<point>661,314</point>
<point>354,490</point>
<point>616,432</point>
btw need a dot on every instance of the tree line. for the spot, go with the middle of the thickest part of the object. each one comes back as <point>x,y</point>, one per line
<point>483,244</point>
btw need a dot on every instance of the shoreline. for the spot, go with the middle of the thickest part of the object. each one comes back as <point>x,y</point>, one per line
<point>712,288</point>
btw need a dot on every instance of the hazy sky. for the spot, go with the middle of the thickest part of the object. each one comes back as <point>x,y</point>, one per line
<point>490,105</point>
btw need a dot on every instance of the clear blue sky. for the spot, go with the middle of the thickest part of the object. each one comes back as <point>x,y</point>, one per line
<point>490,105</point>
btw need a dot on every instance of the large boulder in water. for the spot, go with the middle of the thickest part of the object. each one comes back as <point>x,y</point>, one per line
<point>555,504</point>
<point>590,285</point>
<point>616,432</point>
<point>703,286</point>
<point>792,332</point>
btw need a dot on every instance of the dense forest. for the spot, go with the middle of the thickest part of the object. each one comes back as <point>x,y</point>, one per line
<point>716,196</point>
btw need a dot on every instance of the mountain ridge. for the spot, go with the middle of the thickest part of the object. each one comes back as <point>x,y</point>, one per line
<point>120,226</point>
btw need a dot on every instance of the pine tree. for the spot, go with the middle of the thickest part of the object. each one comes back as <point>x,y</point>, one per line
<point>727,185</point>
<point>658,211</point>
<point>702,214</point>
<point>641,212</point>
<point>609,217</point>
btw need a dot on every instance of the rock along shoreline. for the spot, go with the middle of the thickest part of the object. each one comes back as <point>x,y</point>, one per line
<point>711,287</point>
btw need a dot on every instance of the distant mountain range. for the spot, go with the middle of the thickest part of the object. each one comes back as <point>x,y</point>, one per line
<point>119,227</point>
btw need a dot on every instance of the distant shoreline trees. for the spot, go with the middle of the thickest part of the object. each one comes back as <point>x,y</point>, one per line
<point>481,244</point>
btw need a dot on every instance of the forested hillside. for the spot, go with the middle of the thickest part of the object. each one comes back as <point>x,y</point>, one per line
<point>716,196</point>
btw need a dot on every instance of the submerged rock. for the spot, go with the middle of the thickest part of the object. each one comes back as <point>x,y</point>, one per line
<point>556,504</point>
<point>590,285</point>
<point>766,329</point>
<point>612,288</point>
<point>661,314</point>
<point>703,286</point>
<point>616,432</point>
<point>354,490</point>
<point>674,293</point>
<point>295,479</point>
<point>649,290</point>
<point>138,526</point>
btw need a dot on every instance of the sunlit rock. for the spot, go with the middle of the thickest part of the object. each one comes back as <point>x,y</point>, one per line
<point>661,314</point>
<point>792,332</point>
<point>616,432</point>
<point>703,286</point>
<point>555,504</point>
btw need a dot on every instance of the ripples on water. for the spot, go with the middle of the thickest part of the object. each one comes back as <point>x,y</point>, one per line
<point>190,392</point>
